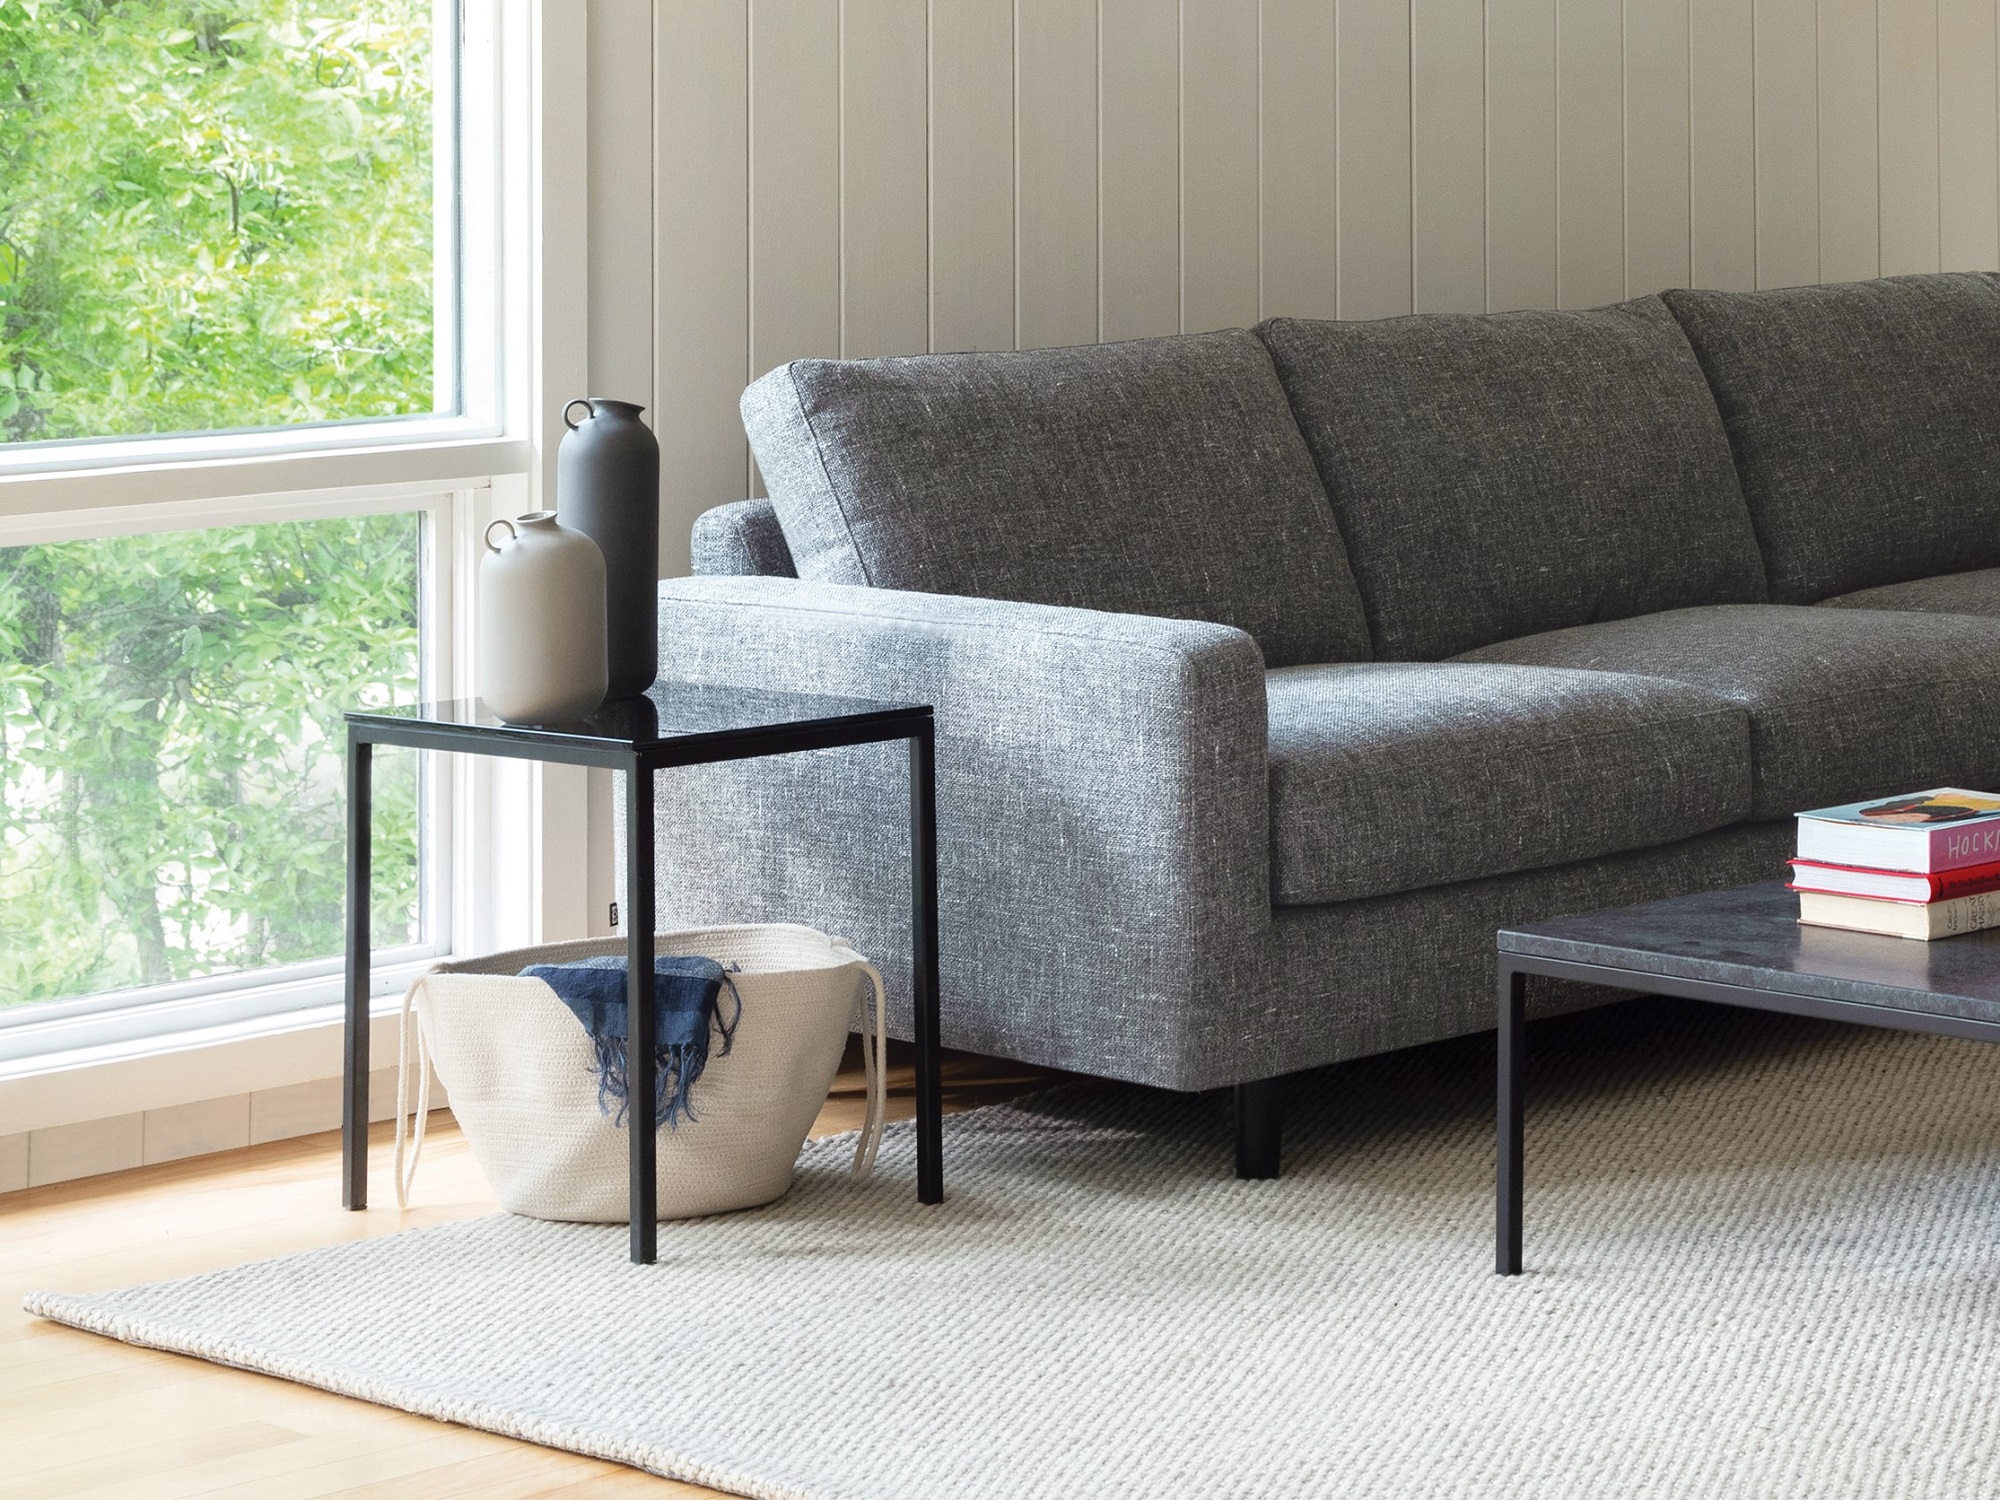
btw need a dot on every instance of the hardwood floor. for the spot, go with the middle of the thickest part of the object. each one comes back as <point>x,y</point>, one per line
<point>85,1418</point>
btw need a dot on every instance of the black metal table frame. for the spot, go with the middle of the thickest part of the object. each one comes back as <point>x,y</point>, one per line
<point>916,725</point>
<point>1514,971</point>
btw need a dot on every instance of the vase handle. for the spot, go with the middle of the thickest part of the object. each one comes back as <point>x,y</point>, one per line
<point>512,533</point>
<point>579,401</point>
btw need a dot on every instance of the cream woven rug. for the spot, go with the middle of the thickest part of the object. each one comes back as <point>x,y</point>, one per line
<point>1765,1261</point>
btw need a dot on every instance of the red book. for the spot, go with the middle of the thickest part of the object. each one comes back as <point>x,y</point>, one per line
<point>1895,885</point>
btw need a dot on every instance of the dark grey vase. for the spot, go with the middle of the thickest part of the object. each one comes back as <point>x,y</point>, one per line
<point>608,488</point>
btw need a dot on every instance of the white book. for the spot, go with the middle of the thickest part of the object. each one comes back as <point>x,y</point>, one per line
<point>1906,919</point>
<point>1923,833</point>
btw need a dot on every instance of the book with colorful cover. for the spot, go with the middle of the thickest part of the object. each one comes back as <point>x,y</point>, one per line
<point>1907,919</point>
<point>1924,833</point>
<point>1895,885</point>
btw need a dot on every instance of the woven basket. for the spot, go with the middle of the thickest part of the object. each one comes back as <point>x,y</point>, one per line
<point>521,1074</point>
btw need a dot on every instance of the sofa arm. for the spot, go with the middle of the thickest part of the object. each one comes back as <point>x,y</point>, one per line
<point>1103,823</point>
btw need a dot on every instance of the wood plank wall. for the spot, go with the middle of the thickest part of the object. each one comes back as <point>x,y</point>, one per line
<point>862,177</point>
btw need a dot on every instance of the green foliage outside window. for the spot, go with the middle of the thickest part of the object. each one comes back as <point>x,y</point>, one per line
<point>171,746</point>
<point>211,216</point>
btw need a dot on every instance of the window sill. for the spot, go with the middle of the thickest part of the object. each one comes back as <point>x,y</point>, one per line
<point>121,1078</point>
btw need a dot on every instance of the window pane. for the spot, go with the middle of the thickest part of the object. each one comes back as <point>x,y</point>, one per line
<point>171,749</point>
<point>214,216</point>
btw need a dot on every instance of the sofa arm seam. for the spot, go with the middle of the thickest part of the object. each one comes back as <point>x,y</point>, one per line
<point>988,626</point>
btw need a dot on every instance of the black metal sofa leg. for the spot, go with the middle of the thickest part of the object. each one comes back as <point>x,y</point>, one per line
<point>1260,1127</point>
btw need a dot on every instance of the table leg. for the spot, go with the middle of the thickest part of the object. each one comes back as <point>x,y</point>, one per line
<point>641,1113</point>
<point>924,964</point>
<point>354,1053</point>
<point>1513,1055</point>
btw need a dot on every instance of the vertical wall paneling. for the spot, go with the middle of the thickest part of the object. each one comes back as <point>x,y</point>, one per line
<point>1968,137</point>
<point>1520,154</point>
<point>1298,167</point>
<point>1908,42</point>
<point>701,258</point>
<point>1590,152</point>
<point>1448,155</point>
<point>1850,214</point>
<point>1787,143</point>
<point>1219,179</point>
<point>1722,145</point>
<point>1139,169</point>
<point>1055,172</point>
<point>1656,145</point>
<point>620,123</point>
<point>1373,79</point>
<point>1787,86</point>
<point>794,181</point>
<point>884,177</point>
<point>972,174</point>
<point>860,177</point>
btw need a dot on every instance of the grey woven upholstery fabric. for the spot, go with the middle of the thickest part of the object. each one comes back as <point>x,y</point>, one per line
<point>1104,831</point>
<point>1103,824</point>
<point>1974,593</point>
<point>1392,776</point>
<point>1843,703</point>
<point>1159,477</point>
<point>1500,475</point>
<point>742,539</point>
<point>1360,977</point>
<point>1866,424</point>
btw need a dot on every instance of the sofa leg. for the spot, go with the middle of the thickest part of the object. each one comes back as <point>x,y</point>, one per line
<point>1260,1125</point>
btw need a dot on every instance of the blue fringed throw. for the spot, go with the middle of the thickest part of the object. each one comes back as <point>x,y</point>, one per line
<point>686,992</point>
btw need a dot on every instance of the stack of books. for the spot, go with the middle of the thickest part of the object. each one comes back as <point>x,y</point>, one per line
<point>1923,866</point>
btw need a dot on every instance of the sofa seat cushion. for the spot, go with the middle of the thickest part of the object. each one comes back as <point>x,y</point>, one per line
<point>1497,475</point>
<point>1974,593</point>
<point>1157,477</point>
<point>1866,424</point>
<point>1391,777</point>
<point>1843,703</point>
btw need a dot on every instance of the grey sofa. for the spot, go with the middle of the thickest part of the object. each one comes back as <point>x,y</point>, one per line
<point>1275,669</point>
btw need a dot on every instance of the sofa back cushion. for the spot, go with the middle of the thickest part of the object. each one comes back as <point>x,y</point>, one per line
<point>1159,477</point>
<point>1504,474</point>
<point>1866,423</point>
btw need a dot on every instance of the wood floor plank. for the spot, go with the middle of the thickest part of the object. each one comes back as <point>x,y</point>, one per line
<point>626,1484</point>
<point>522,1476</point>
<point>313,1466</point>
<point>136,1465</point>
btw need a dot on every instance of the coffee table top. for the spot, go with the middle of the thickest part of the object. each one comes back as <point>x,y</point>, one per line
<point>1750,936</point>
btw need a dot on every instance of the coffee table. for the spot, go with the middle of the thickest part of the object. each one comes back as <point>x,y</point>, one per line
<point>1745,947</point>
<point>673,724</point>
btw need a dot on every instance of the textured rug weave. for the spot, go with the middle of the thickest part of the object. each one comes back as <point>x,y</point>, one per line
<point>1764,1260</point>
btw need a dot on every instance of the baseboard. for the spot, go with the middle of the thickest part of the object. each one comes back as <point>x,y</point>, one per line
<point>117,1143</point>
<point>188,1068</point>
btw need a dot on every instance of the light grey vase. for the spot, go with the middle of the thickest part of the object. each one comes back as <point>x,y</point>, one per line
<point>541,622</point>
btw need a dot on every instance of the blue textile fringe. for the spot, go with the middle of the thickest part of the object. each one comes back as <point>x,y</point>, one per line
<point>686,1010</point>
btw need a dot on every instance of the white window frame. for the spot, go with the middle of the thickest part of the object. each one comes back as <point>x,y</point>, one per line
<point>515,832</point>
<point>141,1013</point>
<point>467,350</point>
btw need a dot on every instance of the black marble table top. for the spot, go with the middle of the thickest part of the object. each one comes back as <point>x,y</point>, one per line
<point>1750,936</point>
<point>668,711</point>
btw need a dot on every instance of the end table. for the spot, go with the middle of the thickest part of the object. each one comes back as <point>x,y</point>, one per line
<point>674,724</point>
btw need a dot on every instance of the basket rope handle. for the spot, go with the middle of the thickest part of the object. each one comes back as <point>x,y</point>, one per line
<point>874,1060</point>
<point>407,1180</point>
